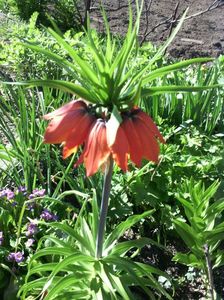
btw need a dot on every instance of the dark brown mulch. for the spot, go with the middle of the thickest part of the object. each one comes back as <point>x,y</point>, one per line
<point>199,36</point>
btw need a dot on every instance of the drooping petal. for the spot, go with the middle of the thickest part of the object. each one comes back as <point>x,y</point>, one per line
<point>78,135</point>
<point>96,150</point>
<point>69,107</point>
<point>134,142</point>
<point>148,139</point>
<point>150,124</point>
<point>120,149</point>
<point>60,127</point>
<point>112,125</point>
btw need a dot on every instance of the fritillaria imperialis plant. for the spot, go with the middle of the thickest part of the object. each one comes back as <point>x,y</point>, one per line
<point>136,137</point>
<point>107,121</point>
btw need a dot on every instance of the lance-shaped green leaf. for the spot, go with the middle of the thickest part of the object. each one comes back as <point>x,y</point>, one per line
<point>106,280</point>
<point>160,51</point>
<point>54,25</point>
<point>219,261</point>
<point>120,286</point>
<point>186,232</point>
<point>4,155</point>
<point>72,192</point>
<point>97,53</point>
<point>189,260</point>
<point>138,272</point>
<point>49,267</point>
<point>86,231</point>
<point>85,70</point>
<point>216,234</point>
<point>125,45</point>
<point>57,242</point>
<point>175,89</point>
<point>60,61</point>
<point>65,86</point>
<point>174,67</point>
<point>128,266</point>
<point>120,62</point>
<point>60,251</point>
<point>216,208</point>
<point>72,233</point>
<point>123,247</point>
<point>33,285</point>
<point>109,48</point>
<point>122,227</point>
<point>62,284</point>
<point>134,96</point>
<point>76,258</point>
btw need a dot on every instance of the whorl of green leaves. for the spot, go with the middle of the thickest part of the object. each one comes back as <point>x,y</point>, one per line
<point>108,77</point>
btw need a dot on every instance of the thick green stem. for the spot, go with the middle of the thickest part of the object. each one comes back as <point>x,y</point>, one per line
<point>104,207</point>
<point>209,272</point>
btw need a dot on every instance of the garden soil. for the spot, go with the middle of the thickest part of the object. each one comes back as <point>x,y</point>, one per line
<point>199,36</point>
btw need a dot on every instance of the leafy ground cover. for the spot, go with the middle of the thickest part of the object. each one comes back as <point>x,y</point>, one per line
<point>165,220</point>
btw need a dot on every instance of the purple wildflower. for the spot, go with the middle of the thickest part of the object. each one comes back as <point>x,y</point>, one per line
<point>19,257</point>
<point>22,189</point>
<point>31,196</point>
<point>40,193</point>
<point>7,193</point>
<point>14,203</point>
<point>10,195</point>
<point>46,215</point>
<point>29,243</point>
<point>37,193</point>
<point>15,257</point>
<point>31,229</point>
<point>11,257</point>
<point>1,238</point>
<point>3,193</point>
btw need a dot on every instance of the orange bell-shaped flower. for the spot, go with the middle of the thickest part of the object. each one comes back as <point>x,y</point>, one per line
<point>96,150</point>
<point>137,139</point>
<point>69,125</point>
<point>73,125</point>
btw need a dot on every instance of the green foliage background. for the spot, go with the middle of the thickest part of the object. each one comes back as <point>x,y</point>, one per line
<point>191,123</point>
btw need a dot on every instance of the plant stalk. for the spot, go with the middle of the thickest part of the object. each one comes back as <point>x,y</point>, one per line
<point>104,207</point>
<point>209,271</point>
<point>87,11</point>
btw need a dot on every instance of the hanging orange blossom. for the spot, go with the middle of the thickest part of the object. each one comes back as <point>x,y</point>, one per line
<point>73,125</point>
